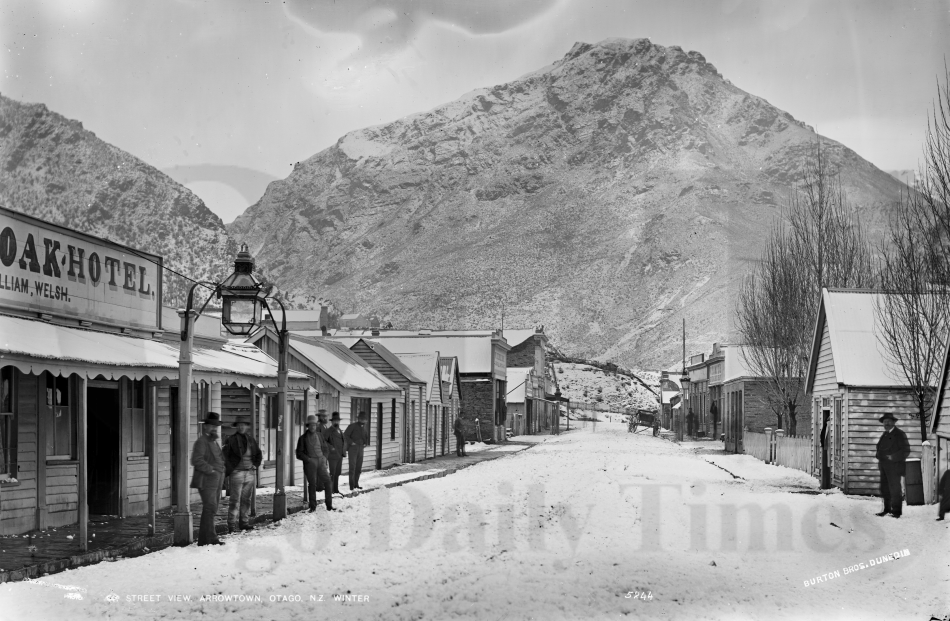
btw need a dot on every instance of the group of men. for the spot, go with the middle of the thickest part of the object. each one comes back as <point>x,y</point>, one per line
<point>321,449</point>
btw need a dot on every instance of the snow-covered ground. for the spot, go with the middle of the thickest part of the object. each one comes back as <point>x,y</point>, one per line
<point>589,524</point>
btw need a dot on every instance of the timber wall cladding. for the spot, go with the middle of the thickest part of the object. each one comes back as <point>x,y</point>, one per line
<point>863,430</point>
<point>164,441</point>
<point>19,501</point>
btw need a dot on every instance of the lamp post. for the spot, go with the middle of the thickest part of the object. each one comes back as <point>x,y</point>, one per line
<point>243,297</point>
<point>684,383</point>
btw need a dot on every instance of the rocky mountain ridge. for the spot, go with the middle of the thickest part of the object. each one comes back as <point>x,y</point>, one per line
<point>52,168</point>
<point>608,196</point>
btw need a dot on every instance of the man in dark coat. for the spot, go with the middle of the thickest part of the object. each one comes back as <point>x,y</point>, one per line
<point>459,430</point>
<point>208,476</point>
<point>321,427</point>
<point>656,427</point>
<point>311,450</point>
<point>892,452</point>
<point>336,444</point>
<point>943,493</point>
<point>242,457</point>
<point>691,423</point>
<point>356,438</point>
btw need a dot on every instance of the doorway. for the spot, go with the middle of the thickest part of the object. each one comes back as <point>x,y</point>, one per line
<point>104,447</point>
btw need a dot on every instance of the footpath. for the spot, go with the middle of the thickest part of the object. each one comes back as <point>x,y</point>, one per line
<point>43,552</point>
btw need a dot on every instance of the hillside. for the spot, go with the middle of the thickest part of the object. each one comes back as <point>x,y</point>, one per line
<point>587,384</point>
<point>52,168</point>
<point>608,196</point>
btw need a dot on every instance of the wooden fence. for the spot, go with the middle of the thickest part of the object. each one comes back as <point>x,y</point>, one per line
<point>774,447</point>
<point>756,444</point>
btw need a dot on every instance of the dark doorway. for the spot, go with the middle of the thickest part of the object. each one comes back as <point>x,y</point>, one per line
<point>104,447</point>
<point>379,436</point>
<point>173,416</point>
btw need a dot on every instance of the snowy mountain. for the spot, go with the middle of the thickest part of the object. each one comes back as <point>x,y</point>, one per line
<point>52,168</point>
<point>607,196</point>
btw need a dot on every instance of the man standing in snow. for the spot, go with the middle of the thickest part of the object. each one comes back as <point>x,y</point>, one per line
<point>356,437</point>
<point>459,432</point>
<point>943,492</point>
<point>208,476</point>
<point>311,450</point>
<point>337,446</point>
<point>242,457</point>
<point>892,452</point>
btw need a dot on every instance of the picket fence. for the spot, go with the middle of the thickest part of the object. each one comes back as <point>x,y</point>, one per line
<point>774,447</point>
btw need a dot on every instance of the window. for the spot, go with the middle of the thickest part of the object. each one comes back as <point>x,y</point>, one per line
<point>8,430</point>
<point>268,435</point>
<point>361,405</point>
<point>392,422</point>
<point>60,423</point>
<point>136,435</point>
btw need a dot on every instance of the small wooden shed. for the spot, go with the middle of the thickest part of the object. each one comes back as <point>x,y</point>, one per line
<point>852,384</point>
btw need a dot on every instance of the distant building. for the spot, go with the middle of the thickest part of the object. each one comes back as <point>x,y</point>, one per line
<point>482,357</point>
<point>355,321</point>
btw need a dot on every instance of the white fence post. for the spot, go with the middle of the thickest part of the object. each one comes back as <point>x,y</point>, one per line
<point>768,445</point>
<point>928,467</point>
<point>779,434</point>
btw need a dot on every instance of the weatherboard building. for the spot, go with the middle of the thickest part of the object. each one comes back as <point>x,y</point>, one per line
<point>89,378</point>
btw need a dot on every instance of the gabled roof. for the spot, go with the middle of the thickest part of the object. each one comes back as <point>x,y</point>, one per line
<point>425,365</point>
<point>335,361</point>
<point>473,350</point>
<point>390,358</point>
<point>853,329</point>
<point>448,372</point>
<point>517,337</point>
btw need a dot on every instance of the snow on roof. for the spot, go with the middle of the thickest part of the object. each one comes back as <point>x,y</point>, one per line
<point>48,346</point>
<point>474,351</point>
<point>341,365</point>
<point>517,337</point>
<point>391,358</point>
<point>853,328</point>
<point>517,378</point>
<point>424,365</point>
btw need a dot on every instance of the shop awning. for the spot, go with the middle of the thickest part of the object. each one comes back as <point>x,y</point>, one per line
<point>36,346</point>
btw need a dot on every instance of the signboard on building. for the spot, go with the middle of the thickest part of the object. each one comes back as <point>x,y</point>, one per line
<point>53,270</point>
<point>499,362</point>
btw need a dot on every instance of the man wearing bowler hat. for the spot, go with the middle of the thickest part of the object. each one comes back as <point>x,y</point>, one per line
<point>311,450</point>
<point>242,457</point>
<point>356,438</point>
<point>208,476</point>
<point>892,452</point>
<point>336,444</point>
<point>322,427</point>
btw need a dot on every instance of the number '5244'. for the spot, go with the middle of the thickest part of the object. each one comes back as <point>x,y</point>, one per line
<point>639,595</point>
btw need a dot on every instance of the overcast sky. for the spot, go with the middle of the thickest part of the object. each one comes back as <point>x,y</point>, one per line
<point>207,89</point>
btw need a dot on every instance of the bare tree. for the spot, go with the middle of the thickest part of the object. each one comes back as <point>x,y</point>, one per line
<point>823,245</point>
<point>914,315</point>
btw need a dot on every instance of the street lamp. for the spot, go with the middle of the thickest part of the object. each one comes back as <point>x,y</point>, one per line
<point>243,298</point>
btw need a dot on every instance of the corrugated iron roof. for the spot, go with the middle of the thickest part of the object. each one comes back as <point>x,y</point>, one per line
<point>853,327</point>
<point>474,352</point>
<point>73,349</point>
<point>425,365</point>
<point>343,366</point>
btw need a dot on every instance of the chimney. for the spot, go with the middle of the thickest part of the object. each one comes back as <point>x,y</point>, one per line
<point>324,316</point>
<point>375,331</point>
<point>323,329</point>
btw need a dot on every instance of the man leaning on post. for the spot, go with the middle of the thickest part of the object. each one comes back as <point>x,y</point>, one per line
<point>892,452</point>
<point>208,476</point>
<point>242,457</point>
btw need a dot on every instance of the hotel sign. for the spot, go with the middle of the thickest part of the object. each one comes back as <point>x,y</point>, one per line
<point>53,270</point>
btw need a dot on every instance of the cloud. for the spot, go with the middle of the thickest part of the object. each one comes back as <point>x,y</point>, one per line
<point>387,26</point>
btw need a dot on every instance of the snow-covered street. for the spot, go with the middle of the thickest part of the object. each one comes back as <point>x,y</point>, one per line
<point>588,525</point>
